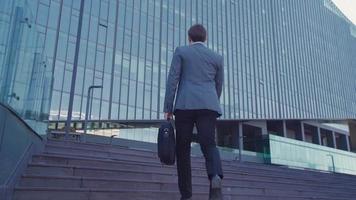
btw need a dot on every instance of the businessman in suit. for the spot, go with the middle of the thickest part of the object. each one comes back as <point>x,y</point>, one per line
<point>197,73</point>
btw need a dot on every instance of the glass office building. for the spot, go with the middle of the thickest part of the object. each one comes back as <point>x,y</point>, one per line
<point>289,65</point>
<point>283,60</point>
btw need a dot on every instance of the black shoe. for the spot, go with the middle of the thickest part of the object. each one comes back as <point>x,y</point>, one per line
<point>186,198</point>
<point>215,192</point>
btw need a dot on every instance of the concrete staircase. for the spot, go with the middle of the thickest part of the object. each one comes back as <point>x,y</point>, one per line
<point>69,170</point>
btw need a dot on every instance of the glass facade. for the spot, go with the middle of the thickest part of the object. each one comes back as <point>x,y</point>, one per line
<point>25,76</point>
<point>289,152</point>
<point>283,59</point>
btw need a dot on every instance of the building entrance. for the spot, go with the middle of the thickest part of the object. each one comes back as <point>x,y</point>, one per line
<point>252,138</point>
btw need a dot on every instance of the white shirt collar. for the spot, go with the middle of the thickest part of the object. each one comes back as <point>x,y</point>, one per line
<point>193,43</point>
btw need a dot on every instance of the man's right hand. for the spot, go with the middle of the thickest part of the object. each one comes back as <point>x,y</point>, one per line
<point>168,116</point>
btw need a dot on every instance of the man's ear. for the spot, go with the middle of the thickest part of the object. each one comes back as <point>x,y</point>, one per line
<point>189,40</point>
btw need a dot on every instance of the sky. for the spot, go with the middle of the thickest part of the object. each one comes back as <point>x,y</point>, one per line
<point>348,7</point>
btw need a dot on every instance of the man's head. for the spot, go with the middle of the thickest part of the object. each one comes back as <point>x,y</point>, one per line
<point>197,33</point>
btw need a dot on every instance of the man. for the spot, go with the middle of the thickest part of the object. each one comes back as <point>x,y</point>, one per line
<point>197,72</point>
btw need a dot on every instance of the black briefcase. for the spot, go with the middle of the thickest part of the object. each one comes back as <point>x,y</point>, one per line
<point>166,143</point>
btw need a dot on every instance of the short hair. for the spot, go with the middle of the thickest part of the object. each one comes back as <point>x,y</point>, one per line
<point>197,33</point>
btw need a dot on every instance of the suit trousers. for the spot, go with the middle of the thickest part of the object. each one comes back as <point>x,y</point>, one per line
<point>205,121</point>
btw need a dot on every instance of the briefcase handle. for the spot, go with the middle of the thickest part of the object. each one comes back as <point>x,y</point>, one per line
<point>171,120</point>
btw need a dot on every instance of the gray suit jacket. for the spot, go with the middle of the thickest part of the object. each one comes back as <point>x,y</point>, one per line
<point>198,73</point>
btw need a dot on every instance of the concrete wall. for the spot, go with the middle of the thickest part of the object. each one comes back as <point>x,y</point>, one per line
<point>17,144</point>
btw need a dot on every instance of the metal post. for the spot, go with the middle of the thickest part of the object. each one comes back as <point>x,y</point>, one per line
<point>240,142</point>
<point>87,107</point>
<point>75,67</point>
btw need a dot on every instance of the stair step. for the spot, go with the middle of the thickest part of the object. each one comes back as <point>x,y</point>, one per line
<point>151,174</point>
<point>127,184</point>
<point>33,193</point>
<point>76,170</point>
<point>154,163</point>
<point>149,156</point>
<point>119,183</point>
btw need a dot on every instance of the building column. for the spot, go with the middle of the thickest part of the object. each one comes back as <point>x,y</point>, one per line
<point>352,139</point>
<point>319,136</point>
<point>284,128</point>
<point>348,143</point>
<point>334,139</point>
<point>241,137</point>
<point>241,143</point>
<point>302,129</point>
